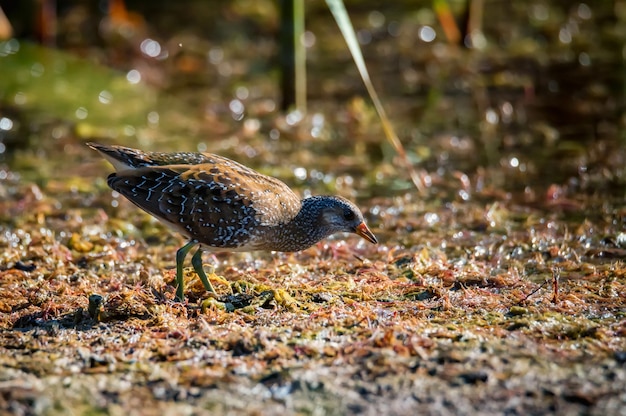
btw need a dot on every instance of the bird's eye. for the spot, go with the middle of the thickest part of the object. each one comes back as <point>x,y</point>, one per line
<point>348,215</point>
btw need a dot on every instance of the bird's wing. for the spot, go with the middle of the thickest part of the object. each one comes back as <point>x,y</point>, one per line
<point>273,202</point>
<point>216,204</point>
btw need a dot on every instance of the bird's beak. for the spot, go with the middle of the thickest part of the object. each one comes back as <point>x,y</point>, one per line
<point>365,232</point>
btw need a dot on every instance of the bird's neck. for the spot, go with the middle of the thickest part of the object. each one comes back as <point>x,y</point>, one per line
<point>304,230</point>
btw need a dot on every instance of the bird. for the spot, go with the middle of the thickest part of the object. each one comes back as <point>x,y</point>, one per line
<point>221,205</point>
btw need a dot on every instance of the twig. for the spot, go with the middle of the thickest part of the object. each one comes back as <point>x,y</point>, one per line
<point>545,282</point>
<point>556,275</point>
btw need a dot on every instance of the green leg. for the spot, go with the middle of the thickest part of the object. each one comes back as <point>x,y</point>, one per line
<point>180,258</point>
<point>196,262</point>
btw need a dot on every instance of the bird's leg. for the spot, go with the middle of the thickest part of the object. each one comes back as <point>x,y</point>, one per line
<point>180,258</point>
<point>196,262</point>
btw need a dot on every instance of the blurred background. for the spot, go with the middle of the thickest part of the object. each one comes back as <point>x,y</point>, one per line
<point>517,98</point>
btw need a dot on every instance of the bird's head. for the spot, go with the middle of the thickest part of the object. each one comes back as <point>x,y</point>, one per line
<point>337,214</point>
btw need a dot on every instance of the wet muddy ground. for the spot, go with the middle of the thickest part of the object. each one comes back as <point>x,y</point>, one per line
<point>501,289</point>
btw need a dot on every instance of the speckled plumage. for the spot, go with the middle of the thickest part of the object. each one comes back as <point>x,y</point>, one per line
<point>225,206</point>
